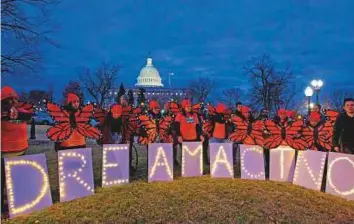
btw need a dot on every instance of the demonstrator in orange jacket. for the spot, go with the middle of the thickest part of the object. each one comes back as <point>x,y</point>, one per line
<point>76,140</point>
<point>14,139</point>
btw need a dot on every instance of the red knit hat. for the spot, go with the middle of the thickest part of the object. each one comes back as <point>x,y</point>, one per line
<point>282,111</point>
<point>291,113</point>
<point>186,103</point>
<point>245,109</point>
<point>153,104</point>
<point>8,92</point>
<point>315,116</point>
<point>116,111</point>
<point>220,108</point>
<point>72,97</point>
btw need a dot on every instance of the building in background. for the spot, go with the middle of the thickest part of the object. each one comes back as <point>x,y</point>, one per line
<point>150,80</point>
<point>37,97</point>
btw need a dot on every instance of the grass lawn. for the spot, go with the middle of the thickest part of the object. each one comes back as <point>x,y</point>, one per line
<point>188,200</point>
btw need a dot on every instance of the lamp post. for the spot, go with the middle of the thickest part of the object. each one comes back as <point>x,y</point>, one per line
<point>316,85</point>
<point>33,125</point>
<point>308,94</point>
<point>169,78</point>
<point>33,129</point>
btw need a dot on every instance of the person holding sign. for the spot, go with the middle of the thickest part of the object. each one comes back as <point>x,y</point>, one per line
<point>187,124</point>
<point>246,130</point>
<point>282,131</point>
<point>118,118</point>
<point>282,118</point>
<point>217,126</point>
<point>318,133</point>
<point>71,124</point>
<point>118,124</point>
<point>154,128</point>
<point>14,139</point>
<point>115,122</point>
<point>343,132</point>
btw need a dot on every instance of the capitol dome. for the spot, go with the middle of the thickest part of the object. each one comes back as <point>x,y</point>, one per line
<point>149,76</point>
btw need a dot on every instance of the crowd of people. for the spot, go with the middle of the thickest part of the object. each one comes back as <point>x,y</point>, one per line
<point>179,122</point>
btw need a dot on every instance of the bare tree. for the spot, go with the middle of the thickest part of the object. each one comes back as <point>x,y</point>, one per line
<point>337,99</point>
<point>23,57</point>
<point>270,87</point>
<point>201,87</point>
<point>25,24</point>
<point>99,83</point>
<point>231,96</point>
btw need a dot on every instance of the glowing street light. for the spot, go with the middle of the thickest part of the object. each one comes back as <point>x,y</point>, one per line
<point>317,85</point>
<point>308,91</point>
<point>308,94</point>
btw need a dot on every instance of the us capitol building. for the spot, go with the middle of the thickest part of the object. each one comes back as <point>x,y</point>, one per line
<point>150,80</point>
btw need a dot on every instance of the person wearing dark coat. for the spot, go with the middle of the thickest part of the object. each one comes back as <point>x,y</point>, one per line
<point>343,132</point>
<point>238,110</point>
<point>264,115</point>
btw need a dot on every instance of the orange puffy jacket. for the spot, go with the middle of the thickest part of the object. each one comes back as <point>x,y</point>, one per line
<point>13,136</point>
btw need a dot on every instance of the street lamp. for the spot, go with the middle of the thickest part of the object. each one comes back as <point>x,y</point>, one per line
<point>317,84</point>
<point>169,78</point>
<point>308,94</point>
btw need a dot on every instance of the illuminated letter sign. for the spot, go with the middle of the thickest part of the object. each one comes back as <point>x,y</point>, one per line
<point>27,182</point>
<point>115,164</point>
<point>75,174</point>
<point>192,159</point>
<point>252,162</point>
<point>309,169</point>
<point>340,175</point>
<point>160,157</point>
<point>282,164</point>
<point>221,160</point>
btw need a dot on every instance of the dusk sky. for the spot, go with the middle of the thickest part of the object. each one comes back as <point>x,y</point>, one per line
<point>200,38</point>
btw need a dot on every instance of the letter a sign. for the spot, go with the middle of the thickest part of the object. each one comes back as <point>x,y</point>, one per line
<point>160,162</point>
<point>221,162</point>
